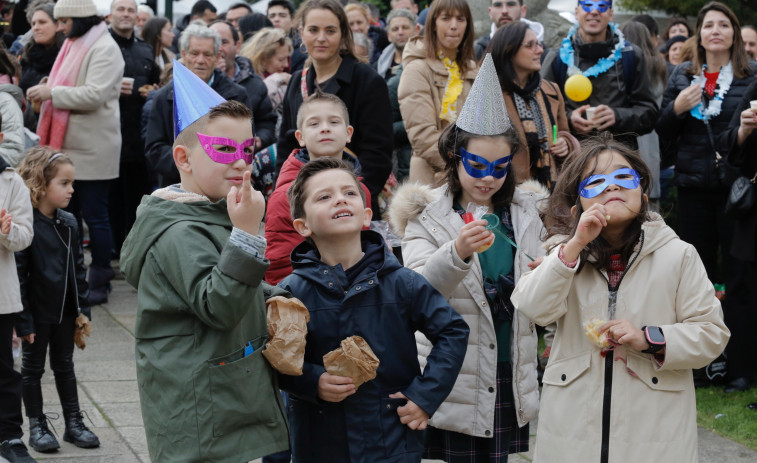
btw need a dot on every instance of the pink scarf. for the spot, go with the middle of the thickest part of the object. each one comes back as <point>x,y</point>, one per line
<point>53,122</point>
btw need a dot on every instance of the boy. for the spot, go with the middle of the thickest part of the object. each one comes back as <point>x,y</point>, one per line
<point>194,255</point>
<point>16,233</point>
<point>323,130</point>
<point>353,285</point>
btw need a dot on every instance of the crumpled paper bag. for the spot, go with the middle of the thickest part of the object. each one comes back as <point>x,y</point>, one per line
<point>354,359</point>
<point>287,327</point>
<point>83,328</point>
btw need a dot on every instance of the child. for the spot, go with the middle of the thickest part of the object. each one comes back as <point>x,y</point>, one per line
<point>619,266</point>
<point>323,130</point>
<point>196,259</point>
<point>54,292</point>
<point>15,234</point>
<point>496,394</point>
<point>353,285</point>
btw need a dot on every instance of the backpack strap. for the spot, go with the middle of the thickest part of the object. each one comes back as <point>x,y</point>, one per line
<point>560,71</point>
<point>628,60</point>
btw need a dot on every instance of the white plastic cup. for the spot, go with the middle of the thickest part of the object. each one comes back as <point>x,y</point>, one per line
<point>590,114</point>
<point>129,81</point>
<point>753,104</point>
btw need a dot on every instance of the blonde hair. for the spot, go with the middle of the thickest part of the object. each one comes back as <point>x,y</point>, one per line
<point>39,168</point>
<point>360,8</point>
<point>262,46</point>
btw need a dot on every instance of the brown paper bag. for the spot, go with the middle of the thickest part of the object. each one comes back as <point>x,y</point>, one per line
<point>354,359</point>
<point>287,327</point>
<point>83,328</point>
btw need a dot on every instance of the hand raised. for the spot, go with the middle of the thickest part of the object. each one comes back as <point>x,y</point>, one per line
<point>579,123</point>
<point>5,222</point>
<point>604,117</point>
<point>687,99</point>
<point>590,225</point>
<point>246,206</point>
<point>472,236</point>
<point>622,331</point>
<point>333,388</point>
<point>411,414</point>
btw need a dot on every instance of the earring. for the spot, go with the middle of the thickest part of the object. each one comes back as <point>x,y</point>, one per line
<point>303,50</point>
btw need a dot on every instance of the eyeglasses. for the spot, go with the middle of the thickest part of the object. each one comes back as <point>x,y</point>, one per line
<point>532,45</point>
<point>600,5</point>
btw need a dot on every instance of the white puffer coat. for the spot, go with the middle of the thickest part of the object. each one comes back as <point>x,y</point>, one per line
<point>428,225</point>
<point>15,199</point>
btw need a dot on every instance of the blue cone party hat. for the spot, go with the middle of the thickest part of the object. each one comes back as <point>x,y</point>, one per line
<point>484,111</point>
<point>192,98</point>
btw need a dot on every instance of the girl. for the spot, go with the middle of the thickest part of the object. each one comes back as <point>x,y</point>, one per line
<point>496,394</point>
<point>631,399</point>
<point>54,292</point>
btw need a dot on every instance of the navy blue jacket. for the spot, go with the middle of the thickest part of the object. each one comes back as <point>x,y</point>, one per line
<point>384,303</point>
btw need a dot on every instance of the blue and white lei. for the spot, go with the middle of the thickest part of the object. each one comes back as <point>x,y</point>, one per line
<point>567,54</point>
<point>723,85</point>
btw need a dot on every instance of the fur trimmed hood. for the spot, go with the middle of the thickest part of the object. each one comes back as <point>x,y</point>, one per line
<point>411,199</point>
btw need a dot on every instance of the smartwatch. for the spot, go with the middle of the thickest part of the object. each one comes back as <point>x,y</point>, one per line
<point>655,339</point>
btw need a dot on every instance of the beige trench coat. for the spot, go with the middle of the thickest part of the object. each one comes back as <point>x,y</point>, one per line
<point>652,412</point>
<point>420,94</point>
<point>93,136</point>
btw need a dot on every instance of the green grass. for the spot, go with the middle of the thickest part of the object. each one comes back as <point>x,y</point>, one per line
<point>737,422</point>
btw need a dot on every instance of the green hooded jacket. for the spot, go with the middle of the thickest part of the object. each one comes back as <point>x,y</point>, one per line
<point>201,302</point>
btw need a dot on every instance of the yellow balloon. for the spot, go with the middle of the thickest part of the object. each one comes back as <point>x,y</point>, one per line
<point>578,87</point>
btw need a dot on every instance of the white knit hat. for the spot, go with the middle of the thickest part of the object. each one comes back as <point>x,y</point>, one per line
<point>74,9</point>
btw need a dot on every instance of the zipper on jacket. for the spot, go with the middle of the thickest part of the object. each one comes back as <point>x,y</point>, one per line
<point>65,284</point>
<point>609,358</point>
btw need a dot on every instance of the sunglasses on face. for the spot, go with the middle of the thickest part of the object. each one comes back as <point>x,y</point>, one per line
<point>225,150</point>
<point>601,5</point>
<point>594,185</point>
<point>478,167</point>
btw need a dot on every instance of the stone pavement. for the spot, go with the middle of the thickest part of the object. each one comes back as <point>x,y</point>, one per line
<point>108,393</point>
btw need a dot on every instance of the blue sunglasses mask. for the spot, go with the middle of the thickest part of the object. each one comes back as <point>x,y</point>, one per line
<point>594,185</point>
<point>589,5</point>
<point>497,169</point>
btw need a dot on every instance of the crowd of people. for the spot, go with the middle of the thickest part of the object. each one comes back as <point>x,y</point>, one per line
<point>436,191</point>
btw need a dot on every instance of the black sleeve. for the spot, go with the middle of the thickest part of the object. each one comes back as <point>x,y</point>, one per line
<point>24,320</point>
<point>82,287</point>
<point>287,142</point>
<point>727,140</point>
<point>262,113</point>
<point>372,139</point>
<point>159,141</point>
<point>642,110</point>
<point>668,123</point>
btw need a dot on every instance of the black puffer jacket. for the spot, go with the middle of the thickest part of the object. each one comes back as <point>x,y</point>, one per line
<point>51,273</point>
<point>263,117</point>
<point>695,165</point>
<point>635,109</point>
<point>365,94</point>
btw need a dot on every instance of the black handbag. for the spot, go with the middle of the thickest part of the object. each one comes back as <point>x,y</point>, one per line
<point>742,196</point>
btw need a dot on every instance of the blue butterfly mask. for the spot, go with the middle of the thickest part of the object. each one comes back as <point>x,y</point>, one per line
<point>497,169</point>
<point>594,185</point>
<point>601,5</point>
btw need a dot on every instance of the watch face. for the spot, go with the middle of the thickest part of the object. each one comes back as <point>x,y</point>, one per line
<point>654,335</point>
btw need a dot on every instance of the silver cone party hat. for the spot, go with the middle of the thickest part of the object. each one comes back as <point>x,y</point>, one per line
<point>484,111</point>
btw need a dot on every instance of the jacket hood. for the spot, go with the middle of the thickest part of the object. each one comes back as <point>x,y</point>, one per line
<point>415,48</point>
<point>245,68</point>
<point>15,92</point>
<point>156,214</point>
<point>298,158</point>
<point>412,198</point>
<point>656,233</point>
<point>306,260</point>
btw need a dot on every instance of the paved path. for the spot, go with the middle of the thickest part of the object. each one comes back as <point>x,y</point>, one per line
<point>108,393</point>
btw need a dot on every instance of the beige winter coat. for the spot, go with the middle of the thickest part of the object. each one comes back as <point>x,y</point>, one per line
<point>15,199</point>
<point>420,95</point>
<point>93,136</point>
<point>652,411</point>
<point>428,225</point>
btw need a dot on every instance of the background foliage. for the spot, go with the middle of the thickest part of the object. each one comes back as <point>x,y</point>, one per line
<point>745,9</point>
